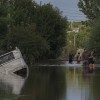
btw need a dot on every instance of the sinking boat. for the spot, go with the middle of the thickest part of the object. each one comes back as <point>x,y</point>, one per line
<point>13,63</point>
<point>11,86</point>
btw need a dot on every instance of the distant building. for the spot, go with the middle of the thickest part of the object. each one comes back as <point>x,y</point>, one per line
<point>76,30</point>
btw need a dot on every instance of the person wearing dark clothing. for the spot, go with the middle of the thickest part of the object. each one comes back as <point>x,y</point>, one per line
<point>91,61</point>
<point>71,58</point>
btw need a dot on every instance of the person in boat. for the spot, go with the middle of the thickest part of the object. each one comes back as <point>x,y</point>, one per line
<point>91,61</point>
<point>85,56</point>
<point>78,58</point>
<point>71,57</point>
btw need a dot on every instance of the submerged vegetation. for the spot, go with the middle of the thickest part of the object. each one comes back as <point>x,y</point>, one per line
<point>38,30</point>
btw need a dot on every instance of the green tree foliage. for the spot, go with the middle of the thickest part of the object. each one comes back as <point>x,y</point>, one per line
<point>81,37</point>
<point>32,45</point>
<point>91,8</point>
<point>82,40</point>
<point>3,18</point>
<point>95,37</point>
<point>38,30</point>
<point>22,12</point>
<point>52,26</point>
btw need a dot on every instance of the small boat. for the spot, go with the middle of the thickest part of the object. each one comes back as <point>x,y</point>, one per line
<point>13,63</point>
<point>11,85</point>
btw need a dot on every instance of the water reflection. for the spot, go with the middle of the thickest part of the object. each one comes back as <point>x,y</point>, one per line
<point>53,83</point>
<point>45,84</point>
<point>10,86</point>
<point>61,83</point>
<point>78,84</point>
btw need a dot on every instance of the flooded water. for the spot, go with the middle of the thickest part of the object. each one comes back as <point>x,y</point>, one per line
<point>52,81</point>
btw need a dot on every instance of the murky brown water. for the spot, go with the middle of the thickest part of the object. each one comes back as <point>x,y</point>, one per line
<point>52,83</point>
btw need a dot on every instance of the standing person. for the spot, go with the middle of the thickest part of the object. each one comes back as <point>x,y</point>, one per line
<point>85,57</point>
<point>78,57</point>
<point>71,57</point>
<point>91,61</point>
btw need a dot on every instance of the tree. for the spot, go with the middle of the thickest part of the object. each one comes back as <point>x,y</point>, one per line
<point>32,45</point>
<point>22,12</point>
<point>91,8</point>
<point>38,30</point>
<point>52,26</point>
<point>95,38</point>
<point>3,18</point>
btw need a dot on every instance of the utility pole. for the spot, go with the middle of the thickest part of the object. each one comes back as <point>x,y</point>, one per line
<point>75,30</point>
<point>74,40</point>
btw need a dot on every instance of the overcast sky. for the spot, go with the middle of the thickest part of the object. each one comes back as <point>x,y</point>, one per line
<point>69,8</point>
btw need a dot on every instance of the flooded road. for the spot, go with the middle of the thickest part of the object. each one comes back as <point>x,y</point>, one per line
<point>54,81</point>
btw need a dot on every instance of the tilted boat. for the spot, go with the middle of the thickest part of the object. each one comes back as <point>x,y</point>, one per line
<point>13,63</point>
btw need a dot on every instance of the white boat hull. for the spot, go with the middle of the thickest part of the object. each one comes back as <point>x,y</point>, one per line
<point>15,64</point>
